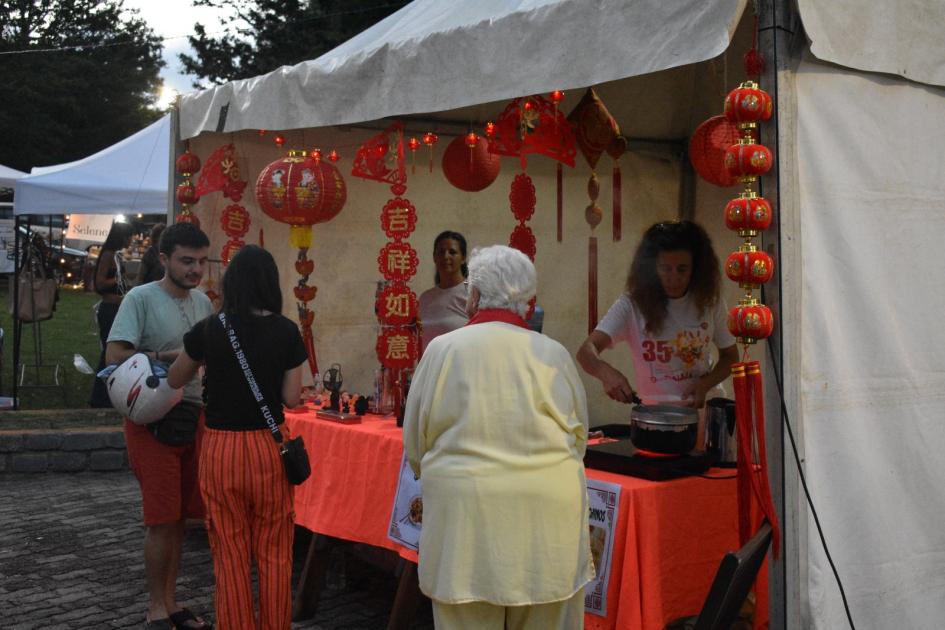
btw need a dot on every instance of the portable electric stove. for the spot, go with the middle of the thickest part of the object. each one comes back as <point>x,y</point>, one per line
<point>622,457</point>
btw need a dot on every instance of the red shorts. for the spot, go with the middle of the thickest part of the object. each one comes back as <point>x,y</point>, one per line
<point>167,475</point>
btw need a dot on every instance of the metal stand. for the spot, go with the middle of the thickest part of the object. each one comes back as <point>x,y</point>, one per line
<point>38,366</point>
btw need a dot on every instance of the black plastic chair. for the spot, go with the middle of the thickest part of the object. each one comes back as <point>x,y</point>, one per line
<point>733,582</point>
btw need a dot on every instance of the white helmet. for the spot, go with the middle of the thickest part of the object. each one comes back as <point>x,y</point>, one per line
<point>136,392</point>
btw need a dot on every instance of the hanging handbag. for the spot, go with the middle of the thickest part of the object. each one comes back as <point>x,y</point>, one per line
<point>293,453</point>
<point>36,294</point>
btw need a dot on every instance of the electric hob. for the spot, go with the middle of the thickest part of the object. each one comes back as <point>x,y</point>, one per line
<point>622,457</point>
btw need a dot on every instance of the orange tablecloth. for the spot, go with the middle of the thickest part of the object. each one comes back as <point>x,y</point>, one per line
<point>670,535</point>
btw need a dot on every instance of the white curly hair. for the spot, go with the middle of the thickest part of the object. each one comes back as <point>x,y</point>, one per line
<point>504,277</point>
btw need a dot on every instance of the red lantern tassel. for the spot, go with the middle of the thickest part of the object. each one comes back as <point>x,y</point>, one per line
<point>743,425</point>
<point>262,242</point>
<point>591,284</point>
<point>560,202</point>
<point>310,350</point>
<point>760,481</point>
<point>617,190</point>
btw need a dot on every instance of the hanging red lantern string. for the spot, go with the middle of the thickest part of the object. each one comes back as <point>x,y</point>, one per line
<point>472,140</point>
<point>413,144</point>
<point>301,191</point>
<point>186,165</point>
<point>381,158</point>
<point>749,321</point>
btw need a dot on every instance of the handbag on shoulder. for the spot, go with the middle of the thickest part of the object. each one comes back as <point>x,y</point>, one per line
<point>293,453</point>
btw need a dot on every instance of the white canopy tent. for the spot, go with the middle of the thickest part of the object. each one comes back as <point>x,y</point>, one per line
<point>859,129</point>
<point>8,176</point>
<point>131,176</point>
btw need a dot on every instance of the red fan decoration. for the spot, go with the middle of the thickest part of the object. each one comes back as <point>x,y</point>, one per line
<point>222,174</point>
<point>532,124</point>
<point>301,191</point>
<point>707,150</point>
<point>470,168</point>
<point>381,159</point>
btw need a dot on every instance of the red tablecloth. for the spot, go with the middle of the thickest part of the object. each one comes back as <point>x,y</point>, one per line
<point>670,535</point>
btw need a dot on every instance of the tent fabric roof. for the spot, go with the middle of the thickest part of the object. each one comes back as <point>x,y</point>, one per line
<point>437,55</point>
<point>9,175</point>
<point>129,176</point>
<point>901,37</point>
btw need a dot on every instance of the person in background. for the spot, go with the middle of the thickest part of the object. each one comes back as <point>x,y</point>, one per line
<point>443,307</point>
<point>110,284</point>
<point>151,269</point>
<point>496,428</point>
<point>669,315</point>
<point>153,319</point>
<point>242,479</point>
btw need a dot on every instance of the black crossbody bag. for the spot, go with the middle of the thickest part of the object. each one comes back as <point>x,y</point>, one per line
<point>293,453</point>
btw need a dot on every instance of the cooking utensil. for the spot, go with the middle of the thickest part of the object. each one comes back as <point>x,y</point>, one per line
<point>664,429</point>
<point>720,436</point>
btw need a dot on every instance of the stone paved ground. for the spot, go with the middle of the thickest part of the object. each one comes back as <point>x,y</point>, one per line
<point>70,557</point>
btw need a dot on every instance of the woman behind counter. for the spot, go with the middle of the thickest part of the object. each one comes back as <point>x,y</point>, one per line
<point>496,428</point>
<point>242,480</point>
<point>443,307</point>
<point>669,315</point>
<point>110,284</point>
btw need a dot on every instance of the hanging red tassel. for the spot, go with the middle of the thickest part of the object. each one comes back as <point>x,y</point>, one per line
<point>262,241</point>
<point>591,284</point>
<point>743,440</point>
<point>617,210</point>
<point>560,177</point>
<point>760,482</point>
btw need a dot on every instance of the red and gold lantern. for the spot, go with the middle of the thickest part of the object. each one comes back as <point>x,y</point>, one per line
<point>747,105</point>
<point>750,321</point>
<point>302,191</point>
<point>748,214</point>
<point>187,164</point>
<point>187,193</point>
<point>746,161</point>
<point>749,267</point>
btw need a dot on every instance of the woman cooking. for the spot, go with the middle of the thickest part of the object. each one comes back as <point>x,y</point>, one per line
<point>443,307</point>
<point>496,428</point>
<point>669,315</point>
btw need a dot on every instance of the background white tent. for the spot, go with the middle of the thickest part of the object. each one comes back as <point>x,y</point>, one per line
<point>131,176</point>
<point>860,125</point>
<point>8,176</point>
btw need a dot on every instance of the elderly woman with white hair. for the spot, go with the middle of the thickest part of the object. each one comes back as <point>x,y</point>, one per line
<point>495,427</point>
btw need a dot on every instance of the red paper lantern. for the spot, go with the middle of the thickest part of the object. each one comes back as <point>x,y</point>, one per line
<point>556,96</point>
<point>748,214</point>
<point>333,156</point>
<point>750,321</point>
<point>315,154</point>
<point>187,193</point>
<point>746,161</point>
<point>472,139</point>
<point>490,130</point>
<point>749,267</point>
<point>187,164</point>
<point>747,105</point>
<point>279,140</point>
<point>300,191</point>
<point>188,217</point>
<point>470,169</point>
<point>430,138</point>
<point>413,144</point>
<point>707,150</point>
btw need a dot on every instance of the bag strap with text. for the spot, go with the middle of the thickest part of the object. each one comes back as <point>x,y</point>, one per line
<point>250,379</point>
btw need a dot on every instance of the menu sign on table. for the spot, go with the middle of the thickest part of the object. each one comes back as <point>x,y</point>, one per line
<point>603,507</point>
<point>407,515</point>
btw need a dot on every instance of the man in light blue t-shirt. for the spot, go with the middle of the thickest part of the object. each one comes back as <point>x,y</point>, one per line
<point>153,319</point>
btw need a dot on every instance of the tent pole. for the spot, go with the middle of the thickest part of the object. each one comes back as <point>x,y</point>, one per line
<point>780,35</point>
<point>174,150</point>
<point>16,309</point>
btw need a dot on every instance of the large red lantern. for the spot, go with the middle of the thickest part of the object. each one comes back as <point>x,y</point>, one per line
<point>300,190</point>
<point>748,214</point>
<point>749,267</point>
<point>750,321</point>
<point>747,105</point>
<point>707,150</point>
<point>746,161</point>
<point>470,168</point>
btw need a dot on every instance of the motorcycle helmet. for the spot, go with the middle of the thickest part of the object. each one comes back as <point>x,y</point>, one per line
<point>138,393</point>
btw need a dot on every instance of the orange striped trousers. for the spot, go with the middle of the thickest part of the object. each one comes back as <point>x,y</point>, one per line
<point>249,517</point>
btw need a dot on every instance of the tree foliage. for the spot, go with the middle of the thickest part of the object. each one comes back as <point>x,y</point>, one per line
<point>262,35</point>
<point>78,76</point>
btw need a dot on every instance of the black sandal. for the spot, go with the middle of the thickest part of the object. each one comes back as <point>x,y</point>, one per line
<point>159,624</point>
<point>184,619</point>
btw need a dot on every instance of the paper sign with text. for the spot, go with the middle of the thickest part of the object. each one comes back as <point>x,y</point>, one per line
<point>89,227</point>
<point>407,515</point>
<point>603,508</point>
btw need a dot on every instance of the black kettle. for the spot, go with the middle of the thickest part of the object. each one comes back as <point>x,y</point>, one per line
<point>720,433</point>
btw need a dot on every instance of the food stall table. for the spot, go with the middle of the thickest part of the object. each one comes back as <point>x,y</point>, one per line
<point>669,538</point>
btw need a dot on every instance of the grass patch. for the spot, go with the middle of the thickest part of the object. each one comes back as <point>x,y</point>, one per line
<point>71,331</point>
